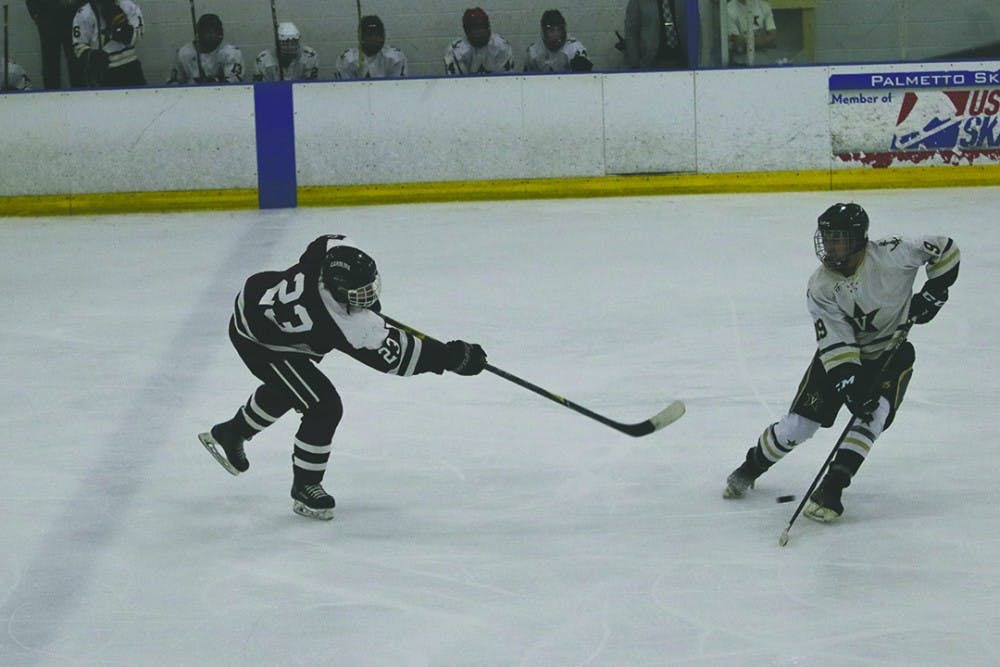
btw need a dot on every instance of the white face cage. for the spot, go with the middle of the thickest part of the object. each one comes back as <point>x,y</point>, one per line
<point>366,295</point>
<point>835,246</point>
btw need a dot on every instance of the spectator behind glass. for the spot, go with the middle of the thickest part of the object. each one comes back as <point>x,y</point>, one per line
<point>54,20</point>
<point>376,60</point>
<point>481,51</point>
<point>654,34</point>
<point>295,61</point>
<point>13,76</point>
<point>751,28</point>
<point>208,59</point>
<point>104,37</point>
<point>557,52</point>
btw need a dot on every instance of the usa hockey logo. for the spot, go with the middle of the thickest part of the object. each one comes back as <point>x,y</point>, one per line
<point>948,120</point>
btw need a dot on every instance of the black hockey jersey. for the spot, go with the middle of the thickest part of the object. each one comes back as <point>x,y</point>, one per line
<point>292,311</point>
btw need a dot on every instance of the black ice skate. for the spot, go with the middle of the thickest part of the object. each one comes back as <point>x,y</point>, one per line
<point>226,447</point>
<point>824,504</point>
<point>742,479</point>
<point>312,500</point>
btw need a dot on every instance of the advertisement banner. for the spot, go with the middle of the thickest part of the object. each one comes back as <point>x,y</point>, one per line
<point>881,119</point>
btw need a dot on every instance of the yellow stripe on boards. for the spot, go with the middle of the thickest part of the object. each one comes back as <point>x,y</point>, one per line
<point>128,202</point>
<point>541,188</point>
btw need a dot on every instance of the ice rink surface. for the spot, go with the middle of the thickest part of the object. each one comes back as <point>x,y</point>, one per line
<point>477,523</point>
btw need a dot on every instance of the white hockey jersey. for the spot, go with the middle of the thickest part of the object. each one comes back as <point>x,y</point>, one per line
<point>389,62</point>
<point>540,59</point>
<point>304,68</point>
<point>856,317</point>
<point>223,65</point>
<point>17,78</point>
<point>463,58</point>
<point>745,19</point>
<point>90,31</point>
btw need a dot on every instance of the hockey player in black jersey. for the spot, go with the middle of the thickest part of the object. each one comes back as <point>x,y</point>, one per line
<point>284,322</point>
<point>859,297</point>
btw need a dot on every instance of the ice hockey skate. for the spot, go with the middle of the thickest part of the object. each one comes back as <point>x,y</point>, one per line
<point>824,504</point>
<point>311,500</point>
<point>226,447</point>
<point>742,479</point>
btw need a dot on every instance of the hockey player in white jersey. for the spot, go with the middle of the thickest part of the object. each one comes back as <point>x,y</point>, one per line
<point>858,299</point>
<point>295,60</point>
<point>13,76</point>
<point>376,60</point>
<point>481,51</point>
<point>208,59</point>
<point>104,37</point>
<point>557,52</point>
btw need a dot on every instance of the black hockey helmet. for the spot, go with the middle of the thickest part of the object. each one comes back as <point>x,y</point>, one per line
<point>371,24</point>
<point>553,29</point>
<point>209,32</point>
<point>371,34</point>
<point>351,276</point>
<point>552,18</point>
<point>841,231</point>
<point>475,17</point>
<point>476,24</point>
<point>209,22</point>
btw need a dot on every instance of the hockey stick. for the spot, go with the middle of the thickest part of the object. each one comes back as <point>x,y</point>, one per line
<point>197,54</point>
<point>904,331</point>
<point>277,44</point>
<point>6,50</point>
<point>664,417</point>
<point>361,51</point>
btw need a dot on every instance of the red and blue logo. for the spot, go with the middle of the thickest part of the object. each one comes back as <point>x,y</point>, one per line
<point>950,115</point>
<point>970,121</point>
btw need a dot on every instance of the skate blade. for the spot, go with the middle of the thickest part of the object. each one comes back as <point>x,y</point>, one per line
<point>303,510</point>
<point>819,513</point>
<point>732,492</point>
<point>214,449</point>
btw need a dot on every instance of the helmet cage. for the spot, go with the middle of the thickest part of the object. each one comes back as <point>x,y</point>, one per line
<point>834,247</point>
<point>364,296</point>
<point>351,277</point>
<point>289,41</point>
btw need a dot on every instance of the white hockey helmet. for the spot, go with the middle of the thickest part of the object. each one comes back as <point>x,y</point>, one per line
<point>289,39</point>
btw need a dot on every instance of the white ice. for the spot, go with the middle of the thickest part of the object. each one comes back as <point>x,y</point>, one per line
<point>477,523</point>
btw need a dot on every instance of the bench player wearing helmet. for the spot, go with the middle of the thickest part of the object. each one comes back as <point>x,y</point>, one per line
<point>283,325</point>
<point>371,58</point>
<point>858,299</point>
<point>557,51</point>
<point>481,51</point>
<point>294,60</point>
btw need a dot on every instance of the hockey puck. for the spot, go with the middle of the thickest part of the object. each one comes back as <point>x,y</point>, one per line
<point>784,499</point>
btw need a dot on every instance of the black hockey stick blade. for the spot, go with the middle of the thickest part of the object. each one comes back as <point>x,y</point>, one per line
<point>664,417</point>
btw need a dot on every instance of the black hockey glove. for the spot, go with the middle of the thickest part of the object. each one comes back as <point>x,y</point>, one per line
<point>620,44</point>
<point>857,391</point>
<point>121,30</point>
<point>580,63</point>
<point>464,358</point>
<point>926,303</point>
<point>96,61</point>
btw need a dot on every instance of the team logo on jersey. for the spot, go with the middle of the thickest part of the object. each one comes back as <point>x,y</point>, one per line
<point>892,243</point>
<point>862,321</point>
